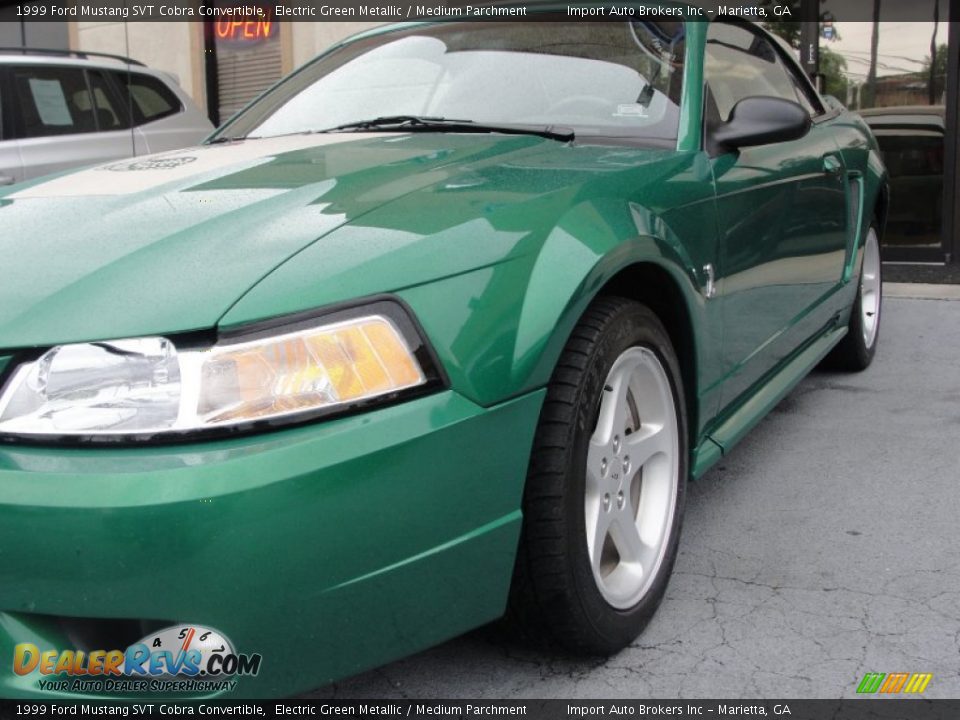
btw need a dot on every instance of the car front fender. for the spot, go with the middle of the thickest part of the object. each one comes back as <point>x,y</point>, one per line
<point>497,342</point>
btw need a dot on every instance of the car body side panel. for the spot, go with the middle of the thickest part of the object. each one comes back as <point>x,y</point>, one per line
<point>818,331</point>
<point>861,153</point>
<point>185,128</point>
<point>867,185</point>
<point>784,225</point>
<point>190,126</point>
<point>869,177</point>
<point>11,167</point>
<point>45,155</point>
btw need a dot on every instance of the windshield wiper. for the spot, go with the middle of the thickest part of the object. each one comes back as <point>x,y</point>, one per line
<point>386,120</point>
<point>223,139</point>
<point>421,123</point>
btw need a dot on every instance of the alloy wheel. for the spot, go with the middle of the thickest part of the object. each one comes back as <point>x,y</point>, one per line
<point>632,476</point>
<point>870,288</point>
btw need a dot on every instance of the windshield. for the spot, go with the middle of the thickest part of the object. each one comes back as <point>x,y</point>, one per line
<point>603,79</point>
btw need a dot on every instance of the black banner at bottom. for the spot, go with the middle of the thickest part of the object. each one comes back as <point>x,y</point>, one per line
<point>854,709</point>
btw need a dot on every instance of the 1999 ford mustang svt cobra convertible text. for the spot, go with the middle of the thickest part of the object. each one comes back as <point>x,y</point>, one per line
<point>440,325</point>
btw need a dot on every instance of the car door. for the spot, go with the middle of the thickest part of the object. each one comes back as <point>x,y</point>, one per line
<point>66,119</point>
<point>11,168</point>
<point>781,212</point>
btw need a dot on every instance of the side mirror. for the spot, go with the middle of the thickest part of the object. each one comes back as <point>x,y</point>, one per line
<point>761,121</point>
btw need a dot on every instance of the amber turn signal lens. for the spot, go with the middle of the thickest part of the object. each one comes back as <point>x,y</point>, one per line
<point>329,365</point>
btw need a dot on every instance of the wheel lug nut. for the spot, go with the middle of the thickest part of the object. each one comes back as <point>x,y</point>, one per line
<point>616,444</point>
<point>606,502</point>
<point>603,468</point>
<point>620,500</point>
<point>626,465</point>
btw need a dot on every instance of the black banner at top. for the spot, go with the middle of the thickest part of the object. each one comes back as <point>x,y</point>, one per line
<point>241,11</point>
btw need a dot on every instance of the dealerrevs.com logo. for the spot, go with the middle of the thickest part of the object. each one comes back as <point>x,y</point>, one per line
<point>181,658</point>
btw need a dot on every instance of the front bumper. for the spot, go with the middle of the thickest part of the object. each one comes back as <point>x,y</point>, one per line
<point>328,548</point>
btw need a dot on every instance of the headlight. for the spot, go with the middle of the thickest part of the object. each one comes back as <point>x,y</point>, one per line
<point>147,387</point>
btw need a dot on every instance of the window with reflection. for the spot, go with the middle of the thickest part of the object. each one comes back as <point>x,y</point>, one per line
<point>614,79</point>
<point>894,71</point>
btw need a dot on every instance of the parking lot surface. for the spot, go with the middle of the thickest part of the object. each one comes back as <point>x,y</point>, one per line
<point>823,547</point>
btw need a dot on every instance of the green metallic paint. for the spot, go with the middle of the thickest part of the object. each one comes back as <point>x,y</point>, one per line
<point>496,236</point>
<point>157,248</point>
<point>372,536</point>
<point>269,539</point>
<point>784,233</point>
<point>855,202</point>
<point>690,135</point>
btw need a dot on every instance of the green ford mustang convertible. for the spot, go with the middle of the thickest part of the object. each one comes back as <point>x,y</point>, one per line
<point>436,330</point>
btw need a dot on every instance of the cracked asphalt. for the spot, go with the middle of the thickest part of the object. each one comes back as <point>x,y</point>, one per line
<point>823,547</point>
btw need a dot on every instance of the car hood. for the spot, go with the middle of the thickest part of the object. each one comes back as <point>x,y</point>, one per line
<point>169,243</point>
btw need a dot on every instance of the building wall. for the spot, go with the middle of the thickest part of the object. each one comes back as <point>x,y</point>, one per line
<point>46,35</point>
<point>17,33</point>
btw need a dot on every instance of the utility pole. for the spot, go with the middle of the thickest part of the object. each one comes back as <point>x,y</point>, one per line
<point>810,36</point>
<point>932,84</point>
<point>870,100</point>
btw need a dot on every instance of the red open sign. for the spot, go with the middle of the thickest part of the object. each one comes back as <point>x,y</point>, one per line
<point>244,30</point>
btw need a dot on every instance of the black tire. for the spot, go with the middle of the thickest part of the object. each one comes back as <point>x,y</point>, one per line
<point>554,597</point>
<point>854,353</point>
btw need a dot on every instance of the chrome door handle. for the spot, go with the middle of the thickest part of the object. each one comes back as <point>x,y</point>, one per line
<point>832,165</point>
<point>6,180</point>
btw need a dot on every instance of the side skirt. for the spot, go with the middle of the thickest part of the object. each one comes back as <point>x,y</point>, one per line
<point>762,400</point>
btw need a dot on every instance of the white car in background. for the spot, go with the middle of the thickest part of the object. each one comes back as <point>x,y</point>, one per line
<point>61,109</point>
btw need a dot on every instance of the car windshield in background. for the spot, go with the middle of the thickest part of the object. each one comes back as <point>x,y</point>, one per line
<point>601,79</point>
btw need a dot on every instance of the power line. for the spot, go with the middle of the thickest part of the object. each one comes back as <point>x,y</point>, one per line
<point>883,55</point>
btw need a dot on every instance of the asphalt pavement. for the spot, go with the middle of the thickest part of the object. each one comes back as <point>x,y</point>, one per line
<point>823,547</point>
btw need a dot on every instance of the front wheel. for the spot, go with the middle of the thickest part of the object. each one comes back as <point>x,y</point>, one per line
<point>855,352</point>
<point>605,492</point>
